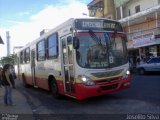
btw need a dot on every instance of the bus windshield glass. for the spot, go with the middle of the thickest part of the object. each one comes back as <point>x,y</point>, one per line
<point>101,50</point>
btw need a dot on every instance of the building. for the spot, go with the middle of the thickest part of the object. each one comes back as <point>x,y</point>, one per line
<point>141,21</point>
<point>1,41</point>
<point>102,8</point>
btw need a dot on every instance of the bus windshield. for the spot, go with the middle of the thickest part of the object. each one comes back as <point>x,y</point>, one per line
<point>101,50</point>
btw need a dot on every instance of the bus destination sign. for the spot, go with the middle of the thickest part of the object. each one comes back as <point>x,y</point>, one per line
<point>86,24</point>
<point>94,24</point>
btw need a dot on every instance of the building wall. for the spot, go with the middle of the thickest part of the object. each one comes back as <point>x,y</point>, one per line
<point>141,27</point>
<point>94,8</point>
<point>144,4</point>
<point>145,29</point>
<point>109,11</point>
<point>99,13</point>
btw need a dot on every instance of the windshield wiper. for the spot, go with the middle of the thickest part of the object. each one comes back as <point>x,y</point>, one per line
<point>95,38</point>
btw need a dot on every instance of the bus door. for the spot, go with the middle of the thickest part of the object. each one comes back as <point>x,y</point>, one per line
<point>18,68</point>
<point>33,67</point>
<point>67,65</point>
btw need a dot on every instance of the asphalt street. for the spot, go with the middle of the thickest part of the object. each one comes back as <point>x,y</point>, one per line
<point>142,97</point>
<point>141,100</point>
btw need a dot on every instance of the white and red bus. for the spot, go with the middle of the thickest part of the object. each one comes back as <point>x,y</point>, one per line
<point>80,58</point>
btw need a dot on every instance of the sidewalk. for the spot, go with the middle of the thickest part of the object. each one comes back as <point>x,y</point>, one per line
<point>21,109</point>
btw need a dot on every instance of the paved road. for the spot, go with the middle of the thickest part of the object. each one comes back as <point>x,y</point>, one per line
<point>142,98</point>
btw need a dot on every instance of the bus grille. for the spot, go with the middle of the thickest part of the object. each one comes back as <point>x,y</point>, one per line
<point>109,87</point>
<point>107,80</point>
<point>107,74</point>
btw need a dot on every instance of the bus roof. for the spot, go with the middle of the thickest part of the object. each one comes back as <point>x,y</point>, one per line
<point>62,25</point>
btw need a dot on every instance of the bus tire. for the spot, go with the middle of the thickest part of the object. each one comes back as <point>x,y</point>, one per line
<point>24,81</point>
<point>54,89</point>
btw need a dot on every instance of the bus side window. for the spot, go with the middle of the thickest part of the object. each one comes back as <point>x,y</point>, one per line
<point>52,46</point>
<point>41,50</point>
<point>27,55</point>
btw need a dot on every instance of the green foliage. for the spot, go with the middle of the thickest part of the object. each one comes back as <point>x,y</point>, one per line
<point>8,59</point>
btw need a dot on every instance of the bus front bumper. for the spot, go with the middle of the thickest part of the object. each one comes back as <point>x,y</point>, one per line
<point>83,91</point>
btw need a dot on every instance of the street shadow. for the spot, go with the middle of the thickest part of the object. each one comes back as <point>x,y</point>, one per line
<point>153,73</point>
<point>147,73</point>
<point>98,99</point>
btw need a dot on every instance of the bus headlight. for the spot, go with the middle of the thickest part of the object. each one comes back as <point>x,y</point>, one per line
<point>126,74</point>
<point>86,80</point>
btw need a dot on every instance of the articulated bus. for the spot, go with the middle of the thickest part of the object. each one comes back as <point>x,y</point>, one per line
<point>81,58</point>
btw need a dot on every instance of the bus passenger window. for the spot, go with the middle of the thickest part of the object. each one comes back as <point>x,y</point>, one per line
<point>27,55</point>
<point>41,50</point>
<point>52,46</point>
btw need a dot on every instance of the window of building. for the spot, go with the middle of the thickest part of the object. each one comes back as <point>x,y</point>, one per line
<point>41,50</point>
<point>118,13</point>
<point>153,51</point>
<point>137,8</point>
<point>52,46</point>
<point>93,12</point>
<point>27,55</point>
<point>100,6</point>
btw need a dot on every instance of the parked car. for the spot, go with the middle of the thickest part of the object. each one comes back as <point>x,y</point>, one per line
<point>152,65</point>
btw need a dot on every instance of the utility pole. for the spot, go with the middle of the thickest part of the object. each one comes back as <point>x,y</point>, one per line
<point>8,42</point>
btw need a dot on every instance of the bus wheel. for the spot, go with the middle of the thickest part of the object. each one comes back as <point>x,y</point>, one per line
<point>24,81</point>
<point>54,89</point>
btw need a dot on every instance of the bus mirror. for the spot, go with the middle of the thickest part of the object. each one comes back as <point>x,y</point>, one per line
<point>75,43</point>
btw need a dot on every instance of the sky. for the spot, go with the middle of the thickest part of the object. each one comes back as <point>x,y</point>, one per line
<point>24,19</point>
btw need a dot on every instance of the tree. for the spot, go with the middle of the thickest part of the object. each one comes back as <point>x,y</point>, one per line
<point>7,60</point>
